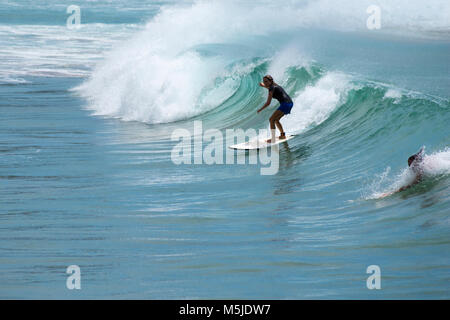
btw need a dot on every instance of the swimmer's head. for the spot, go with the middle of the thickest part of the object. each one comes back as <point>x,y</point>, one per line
<point>411,160</point>
<point>415,162</point>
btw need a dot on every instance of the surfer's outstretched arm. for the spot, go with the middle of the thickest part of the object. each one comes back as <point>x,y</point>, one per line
<point>269,100</point>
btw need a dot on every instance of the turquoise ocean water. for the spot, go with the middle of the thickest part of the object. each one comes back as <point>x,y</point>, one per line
<point>87,177</point>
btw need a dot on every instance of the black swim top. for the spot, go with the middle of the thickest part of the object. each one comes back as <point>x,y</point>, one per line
<point>280,94</point>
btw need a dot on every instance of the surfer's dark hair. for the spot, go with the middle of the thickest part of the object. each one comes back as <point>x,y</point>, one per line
<point>411,160</point>
<point>269,77</point>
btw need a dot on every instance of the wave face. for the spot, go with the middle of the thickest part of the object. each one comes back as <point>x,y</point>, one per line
<point>208,64</point>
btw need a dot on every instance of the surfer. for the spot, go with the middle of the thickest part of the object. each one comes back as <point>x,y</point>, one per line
<point>277,92</point>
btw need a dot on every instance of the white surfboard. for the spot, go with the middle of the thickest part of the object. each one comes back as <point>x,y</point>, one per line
<point>259,143</point>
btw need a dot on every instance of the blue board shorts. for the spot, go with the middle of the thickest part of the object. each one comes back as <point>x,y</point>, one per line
<point>285,107</point>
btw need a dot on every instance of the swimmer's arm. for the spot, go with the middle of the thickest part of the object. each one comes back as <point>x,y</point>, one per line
<point>418,178</point>
<point>269,99</point>
<point>403,188</point>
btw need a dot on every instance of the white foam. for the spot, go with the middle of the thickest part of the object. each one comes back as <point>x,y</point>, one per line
<point>161,79</point>
<point>393,94</point>
<point>315,103</point>
<point>54,51</point>
<point>437,163</point>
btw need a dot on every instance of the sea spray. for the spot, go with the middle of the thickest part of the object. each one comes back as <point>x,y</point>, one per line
<point>434,165</point>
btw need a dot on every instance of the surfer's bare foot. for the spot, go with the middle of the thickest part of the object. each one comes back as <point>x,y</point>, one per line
<point>282,136</point>
<point>269,140</point>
